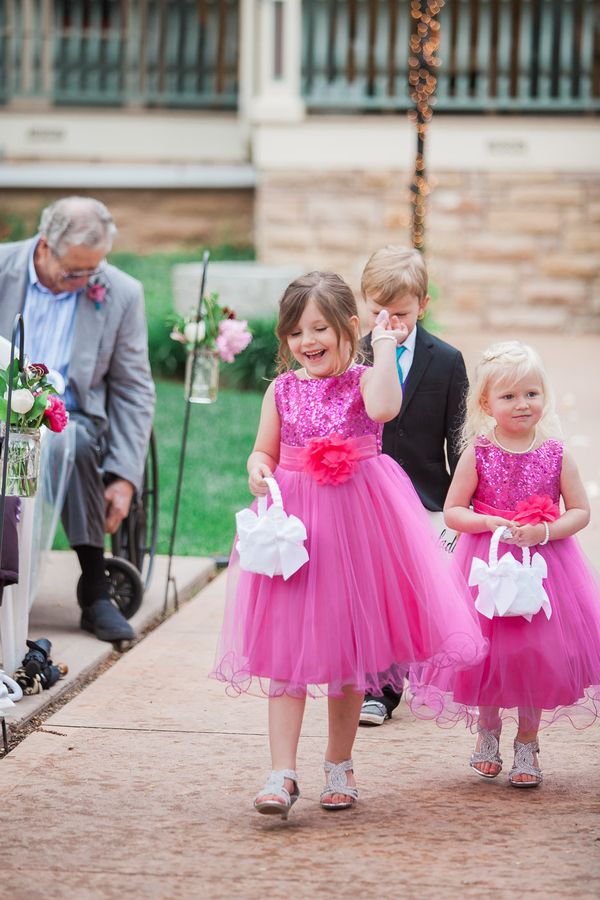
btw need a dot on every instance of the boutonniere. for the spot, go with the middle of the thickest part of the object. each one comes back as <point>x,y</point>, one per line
<point>96,291</point>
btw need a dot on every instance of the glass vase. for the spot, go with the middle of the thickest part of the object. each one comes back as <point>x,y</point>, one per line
<point>23,468</point>
<point>202,376</point>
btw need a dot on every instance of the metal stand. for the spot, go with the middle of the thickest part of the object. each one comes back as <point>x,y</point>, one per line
<point>17,325</point>
<point>186,425</point>
<point>4,734</point>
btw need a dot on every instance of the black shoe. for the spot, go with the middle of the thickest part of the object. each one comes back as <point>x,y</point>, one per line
<point>108,623</point>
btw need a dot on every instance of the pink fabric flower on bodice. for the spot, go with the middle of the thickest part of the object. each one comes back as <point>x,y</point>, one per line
<point>330,459</point>
<point>536,509</point>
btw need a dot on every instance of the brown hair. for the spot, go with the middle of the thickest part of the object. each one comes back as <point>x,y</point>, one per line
<point>393,272</point>
<point>334,299</point>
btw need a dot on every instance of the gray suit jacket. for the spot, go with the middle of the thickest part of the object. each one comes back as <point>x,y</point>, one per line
<point>109,371</point>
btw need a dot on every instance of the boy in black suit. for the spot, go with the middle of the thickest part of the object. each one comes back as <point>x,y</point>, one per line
<point>423,438</point>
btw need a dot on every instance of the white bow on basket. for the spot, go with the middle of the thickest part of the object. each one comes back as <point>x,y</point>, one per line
<point>270,542</point>
<point>508,587</point>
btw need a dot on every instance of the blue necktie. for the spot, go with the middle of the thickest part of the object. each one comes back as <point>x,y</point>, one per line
<point>399,351</point>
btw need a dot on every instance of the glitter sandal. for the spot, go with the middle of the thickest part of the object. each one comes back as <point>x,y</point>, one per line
<point>523,765</point>
<point>337,783</point>
<point>489,751</point>
<point>274,788</point>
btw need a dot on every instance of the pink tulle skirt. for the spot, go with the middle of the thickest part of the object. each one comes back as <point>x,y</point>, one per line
<point>552,665</point>
<point>376,596</point>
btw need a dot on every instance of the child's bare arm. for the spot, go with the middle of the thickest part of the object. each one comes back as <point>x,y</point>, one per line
<point>265,455</point>
<point>380,385</point>
<point>457,514</point>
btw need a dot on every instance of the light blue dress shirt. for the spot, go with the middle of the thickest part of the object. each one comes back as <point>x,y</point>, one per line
<point>49,321</point>
<point>406,358</point>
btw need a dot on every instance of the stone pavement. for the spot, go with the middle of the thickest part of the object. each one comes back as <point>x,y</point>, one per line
<point>55,615</point>
<point>141,786</point>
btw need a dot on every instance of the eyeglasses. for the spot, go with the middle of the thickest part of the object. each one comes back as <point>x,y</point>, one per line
<point>80,273</point>
<point>75,276</point>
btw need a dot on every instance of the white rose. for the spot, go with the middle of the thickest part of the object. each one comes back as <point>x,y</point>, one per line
<point>194,331</point>
<point>22,400</point>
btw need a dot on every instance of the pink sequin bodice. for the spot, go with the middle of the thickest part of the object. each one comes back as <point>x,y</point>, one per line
<point>505,478</point>
<point>316,407</point>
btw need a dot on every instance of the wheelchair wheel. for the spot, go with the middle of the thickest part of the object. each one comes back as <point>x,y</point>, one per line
<point>135,540</point>
<point>126,588</point>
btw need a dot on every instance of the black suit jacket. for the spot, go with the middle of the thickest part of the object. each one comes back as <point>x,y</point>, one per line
<point>424,436</point>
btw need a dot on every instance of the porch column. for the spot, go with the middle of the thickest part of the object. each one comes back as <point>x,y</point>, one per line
<point>271,60</point>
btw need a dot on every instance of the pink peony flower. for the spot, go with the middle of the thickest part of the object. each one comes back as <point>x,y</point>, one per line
<point>55,414</point>
<point>330,459</point>
<point>233,337</point>
<point>536,509</point>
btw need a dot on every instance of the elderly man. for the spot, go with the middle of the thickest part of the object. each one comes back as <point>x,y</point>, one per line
<point>85,320</point>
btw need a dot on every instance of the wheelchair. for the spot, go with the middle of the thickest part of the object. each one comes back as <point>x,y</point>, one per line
<point>133,545</point>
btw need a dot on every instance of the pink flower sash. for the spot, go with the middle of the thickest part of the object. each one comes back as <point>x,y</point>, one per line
<point>329,460</point>
<point>532,511</point>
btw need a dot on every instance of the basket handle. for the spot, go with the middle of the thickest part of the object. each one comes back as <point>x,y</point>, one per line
<point>496,538</point>
<point>275,497</point>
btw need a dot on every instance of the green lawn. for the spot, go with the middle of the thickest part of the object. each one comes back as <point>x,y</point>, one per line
<point>215,484</point>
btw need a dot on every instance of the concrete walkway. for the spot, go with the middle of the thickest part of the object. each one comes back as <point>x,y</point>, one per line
<point>141,786</point>
<point>55,615</point>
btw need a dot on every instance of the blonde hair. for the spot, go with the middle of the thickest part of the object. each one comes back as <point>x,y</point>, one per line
<point>506,363</point>
<point>334,299</point>
<point>392,273</point>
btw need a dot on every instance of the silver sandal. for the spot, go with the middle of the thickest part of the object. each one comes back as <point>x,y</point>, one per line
<point>523,765</point>
<point>337,783</point>
<point>489,751</point>
<point>274,787</point>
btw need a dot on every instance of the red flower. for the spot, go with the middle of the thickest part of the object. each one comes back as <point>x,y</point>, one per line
<point>37,370</point>
<point>56,415</point>
<point>537,508</point>
<point>331,459</point>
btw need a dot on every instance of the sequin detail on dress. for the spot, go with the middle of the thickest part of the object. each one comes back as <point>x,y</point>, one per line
<point>312,407</point>
<point>505,478</point>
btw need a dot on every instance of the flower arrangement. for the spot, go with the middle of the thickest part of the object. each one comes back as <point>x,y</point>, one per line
<point>217,329</point>
<point>96,291</point>
<point>34,400</point>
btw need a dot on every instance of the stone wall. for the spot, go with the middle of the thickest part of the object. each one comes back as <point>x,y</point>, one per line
<point>503,249</point>
<point>155,220</point>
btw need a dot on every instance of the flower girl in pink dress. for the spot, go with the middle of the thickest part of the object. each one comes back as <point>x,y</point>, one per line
<point>514,472</point>
<point>377,593</point>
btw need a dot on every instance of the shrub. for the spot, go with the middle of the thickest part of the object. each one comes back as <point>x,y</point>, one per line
<point>167,357</point>
<point>254,368</point>
<point>13,227</point>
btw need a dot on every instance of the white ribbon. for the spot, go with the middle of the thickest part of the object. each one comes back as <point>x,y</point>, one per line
<point>508,587</point>
<point>10,692</point>
<point>270,542</point>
